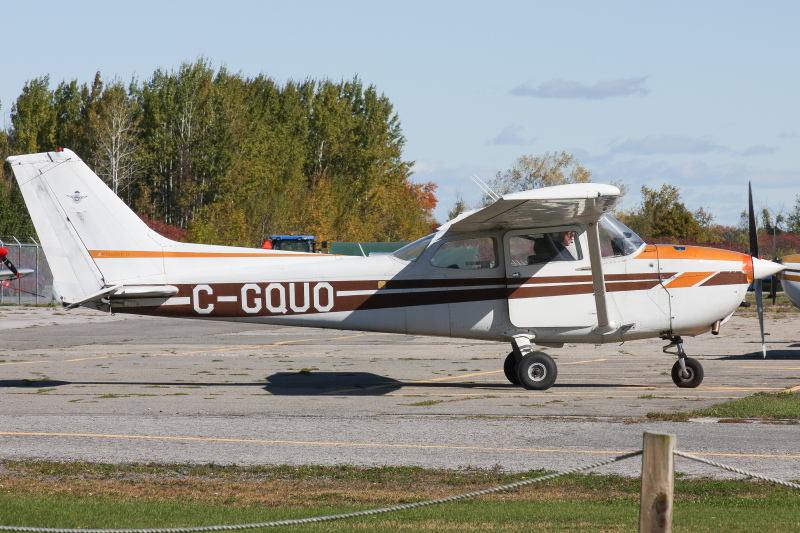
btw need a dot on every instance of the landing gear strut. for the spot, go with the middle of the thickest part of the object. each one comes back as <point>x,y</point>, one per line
<point>532,370</point>
<point>687,373</point>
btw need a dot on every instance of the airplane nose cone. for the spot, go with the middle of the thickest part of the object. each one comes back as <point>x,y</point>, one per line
<point>763,268</point>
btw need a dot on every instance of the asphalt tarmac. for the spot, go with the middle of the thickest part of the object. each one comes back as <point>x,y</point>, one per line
<point>83,385</point>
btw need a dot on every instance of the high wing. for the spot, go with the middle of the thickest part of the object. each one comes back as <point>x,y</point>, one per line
<point>586,202</point>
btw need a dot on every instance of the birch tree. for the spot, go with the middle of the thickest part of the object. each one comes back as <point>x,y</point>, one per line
<point>117,138</point>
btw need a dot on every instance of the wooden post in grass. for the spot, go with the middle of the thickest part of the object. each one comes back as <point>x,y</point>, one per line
<point>658,479</point>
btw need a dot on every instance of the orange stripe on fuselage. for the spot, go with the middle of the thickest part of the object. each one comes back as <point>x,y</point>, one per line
<point>688,279</point>
<point>134,254</point>
<point>670,251</point>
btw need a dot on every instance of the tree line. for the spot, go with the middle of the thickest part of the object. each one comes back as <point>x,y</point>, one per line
<point>212,156</point>
<point>229,159</point>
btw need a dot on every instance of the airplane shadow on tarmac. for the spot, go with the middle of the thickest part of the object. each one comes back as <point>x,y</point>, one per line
<point>314,384</point>
<point>791,352</point>
<point>354,384</point>
<point>368,384</point>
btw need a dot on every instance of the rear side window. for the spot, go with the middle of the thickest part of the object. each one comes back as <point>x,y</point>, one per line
<point>470,254</point>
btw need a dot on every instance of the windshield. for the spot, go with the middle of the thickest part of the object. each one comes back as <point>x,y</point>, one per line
<point>617,239</point>
<point>411,251</point>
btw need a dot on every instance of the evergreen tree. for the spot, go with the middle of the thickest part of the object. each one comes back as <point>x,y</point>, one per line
<point>235,159</point>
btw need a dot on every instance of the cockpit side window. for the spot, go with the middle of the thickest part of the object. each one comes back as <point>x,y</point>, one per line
<point>537,248</point>
<point>471,254</point>
<point>411,251</point>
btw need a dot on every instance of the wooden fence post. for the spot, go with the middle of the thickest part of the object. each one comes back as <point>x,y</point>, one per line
<point>658,479</point>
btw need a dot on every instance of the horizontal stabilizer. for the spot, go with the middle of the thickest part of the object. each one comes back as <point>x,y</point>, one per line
<point>119,292</point>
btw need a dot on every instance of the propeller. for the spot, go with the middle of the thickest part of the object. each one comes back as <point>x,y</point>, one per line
<point>773,286</point>
<point>756,281</point>
<point>5,261</point>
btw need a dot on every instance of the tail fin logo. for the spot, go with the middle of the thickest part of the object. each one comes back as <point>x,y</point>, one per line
<point>76,197</point>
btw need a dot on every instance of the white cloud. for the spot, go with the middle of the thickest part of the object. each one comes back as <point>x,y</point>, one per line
<point>758,149</point>
<point>424,167</point>
<point>576,90</point>
<point>668,145</point>
<point>721,189</point>
<point>510,135</point>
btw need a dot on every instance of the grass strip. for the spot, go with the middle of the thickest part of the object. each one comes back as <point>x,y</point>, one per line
<point>761,405</point>
<point>90,495</point>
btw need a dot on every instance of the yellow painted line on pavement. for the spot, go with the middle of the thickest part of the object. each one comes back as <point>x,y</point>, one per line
<point>793,389</point>
<point>246,347</point>
<point>765,367</point>
<point>743,388</point>
<point>582,362</point>
<point>268,345</point>
<point>317,443</point>
<point>404,384</point>
<point>462,376</point>
<point>67,360</point>
<point>367,444</point>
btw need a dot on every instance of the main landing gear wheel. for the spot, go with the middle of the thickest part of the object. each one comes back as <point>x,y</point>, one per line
<point>537,371</point>
<point>693,375</point>
<point>510,368</point>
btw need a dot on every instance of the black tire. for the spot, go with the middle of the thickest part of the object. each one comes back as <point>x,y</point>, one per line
<point>695,370</point>
<point>537,371</point>
<point>510,368</point>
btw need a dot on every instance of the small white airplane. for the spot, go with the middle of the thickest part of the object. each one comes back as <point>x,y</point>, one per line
<point>11,272</point>
<point>545,267</point>
<point>790,278</point>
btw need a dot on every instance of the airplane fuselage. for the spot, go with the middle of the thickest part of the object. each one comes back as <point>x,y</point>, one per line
<point>654,291</point>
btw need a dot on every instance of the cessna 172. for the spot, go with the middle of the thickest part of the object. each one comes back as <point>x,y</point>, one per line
<point>543,267</point>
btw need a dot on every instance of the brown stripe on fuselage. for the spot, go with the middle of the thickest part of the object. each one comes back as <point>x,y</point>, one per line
<point>332,296</point>
<point>726,278</point>
<point>527,291</point>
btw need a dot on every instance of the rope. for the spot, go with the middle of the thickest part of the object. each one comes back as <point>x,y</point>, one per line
<point>737,470</point>
<point>316,519</point>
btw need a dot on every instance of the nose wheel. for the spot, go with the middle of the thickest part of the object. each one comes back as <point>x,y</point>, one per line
<point>687,373</point>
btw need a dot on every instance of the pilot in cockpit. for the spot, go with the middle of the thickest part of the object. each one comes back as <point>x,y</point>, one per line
<point>563,240</point>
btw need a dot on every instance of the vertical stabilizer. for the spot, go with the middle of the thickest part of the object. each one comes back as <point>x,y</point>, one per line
<point>80,220</point>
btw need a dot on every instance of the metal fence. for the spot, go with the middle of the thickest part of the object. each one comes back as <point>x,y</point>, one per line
<point>37,288</point>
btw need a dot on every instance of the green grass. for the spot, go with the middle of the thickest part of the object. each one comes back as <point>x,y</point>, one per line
<point>775,512</point>
<point>783,306</point>
<point>87,495</point>
<point>761,405</point>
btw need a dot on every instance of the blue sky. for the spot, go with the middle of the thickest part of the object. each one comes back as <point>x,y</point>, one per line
<point>700,95</point>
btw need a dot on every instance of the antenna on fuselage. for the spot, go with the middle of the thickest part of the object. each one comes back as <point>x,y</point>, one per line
<point>485,188</point>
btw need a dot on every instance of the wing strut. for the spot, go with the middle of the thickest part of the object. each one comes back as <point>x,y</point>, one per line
<point>604,324</point>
